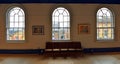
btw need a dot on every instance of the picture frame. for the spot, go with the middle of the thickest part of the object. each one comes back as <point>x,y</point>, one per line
<point>38,30</point>
<point>83,29</point>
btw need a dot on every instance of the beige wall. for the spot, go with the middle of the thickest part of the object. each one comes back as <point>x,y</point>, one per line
<point>40,14</point>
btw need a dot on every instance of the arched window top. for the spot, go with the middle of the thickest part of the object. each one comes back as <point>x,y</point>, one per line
<point>16,11</point>
<point>15,15</point>
<point>105,14</point>
<point>60,24</point>
<point>104,11</point>
<point>60,10</point>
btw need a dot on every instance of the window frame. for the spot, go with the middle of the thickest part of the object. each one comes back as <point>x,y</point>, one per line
<point>68,28</point>
<point>8,24</point>
<point>113,22</point>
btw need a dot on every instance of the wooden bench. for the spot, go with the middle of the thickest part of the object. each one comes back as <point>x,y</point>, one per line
<point>63,49</point>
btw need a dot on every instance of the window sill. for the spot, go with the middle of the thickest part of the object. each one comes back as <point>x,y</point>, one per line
<point>15,41</point>
<point>61,40</point>
<point>105,40</point>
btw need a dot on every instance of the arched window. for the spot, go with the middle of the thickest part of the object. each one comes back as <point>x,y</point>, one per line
<point>15,24</point>
<point>105,24</point>
<point>60,24</point>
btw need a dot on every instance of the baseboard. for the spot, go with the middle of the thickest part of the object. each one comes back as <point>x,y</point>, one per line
<point>41,51</point>
<point>21,51</point>
<point>97,50</point>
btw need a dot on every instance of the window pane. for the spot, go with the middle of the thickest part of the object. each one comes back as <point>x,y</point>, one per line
<point>55,35</point>
<point>11,24</point>
<point>67,34</point>
<point>21,25</point>
<point>66,18</point>
<point>65,13</point>
<point>21,13</point>
<point>61,24</point>
<point>61,10</point>
<point>56,13</point>
<point>66,24</point>
<point>16,24</point>
<point>21,19</point>
<point>11,19</point>
<point>61,18</point>
<point>16,18</point>
<point>56,18</point>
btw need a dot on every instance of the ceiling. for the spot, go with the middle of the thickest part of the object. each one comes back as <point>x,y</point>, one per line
<point>63,1</point>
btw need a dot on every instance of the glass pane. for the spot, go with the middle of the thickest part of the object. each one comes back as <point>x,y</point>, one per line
<point>55,35</point>
<point>56,13</point>
<point>105,33</point>
<point>108,14</point>
<point>55,25</point>
<point>16,18</point>
<point>61,34</point>
<point>110,33</point>
<point>20,13</point>
<point>100,34</point>
<point>12,19</point>
<point>61,25</point>
<point>110,24</point>
<point>16,10</point>
<point>100,13</point>
<point>16,24</point>
<point>66,24</point>
<point>56,19</point>
<point>67,34</point>
<point>104,24</point>
<point>12,13</point>
<point>9,33</point>
<point>60,10</point>
<point>61,18</point>
<point>11,24</point>
<point>21,19</point>
<point>65,13</point>
<point>21,24</point>
<point>66,18</point>
<point>21,35</point>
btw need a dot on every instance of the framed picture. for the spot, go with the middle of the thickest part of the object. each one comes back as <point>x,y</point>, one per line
<point>83,28</point>
<point>38,30</point>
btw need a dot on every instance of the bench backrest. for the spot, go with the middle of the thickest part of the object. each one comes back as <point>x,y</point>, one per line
<point>63,45</point>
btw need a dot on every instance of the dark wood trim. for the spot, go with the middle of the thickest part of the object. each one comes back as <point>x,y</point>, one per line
<point>21,51</point>
<point>62,1</point>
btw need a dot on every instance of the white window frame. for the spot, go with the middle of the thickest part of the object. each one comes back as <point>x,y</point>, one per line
<point>106,28</point>
<point>8,24</point>
<point>54,15</point>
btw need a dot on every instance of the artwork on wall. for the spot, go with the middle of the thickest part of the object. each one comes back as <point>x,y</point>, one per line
<point>38,30</point>
<point>83,28</point>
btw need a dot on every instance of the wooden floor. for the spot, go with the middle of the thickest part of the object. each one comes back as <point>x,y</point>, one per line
<point>39,59</point>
